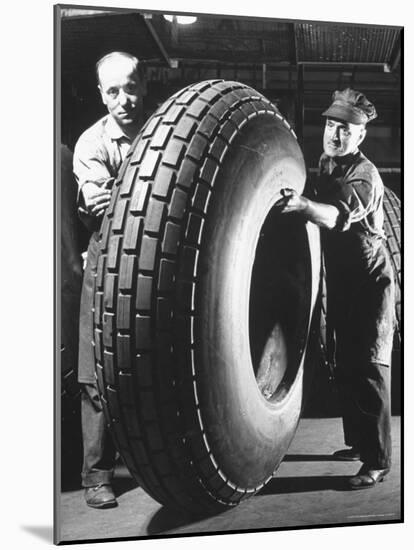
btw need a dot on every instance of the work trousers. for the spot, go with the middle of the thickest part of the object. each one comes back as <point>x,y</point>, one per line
<point>365,396</point>
<point>98,448</point>
<point>361,303</point>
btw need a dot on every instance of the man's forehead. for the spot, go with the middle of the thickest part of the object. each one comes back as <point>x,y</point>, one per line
<point>344,123</point>
<point>339,122</point>
<point>117,67</point>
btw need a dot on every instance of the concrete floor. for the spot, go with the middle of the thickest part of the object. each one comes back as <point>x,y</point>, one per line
<point>307,490</point>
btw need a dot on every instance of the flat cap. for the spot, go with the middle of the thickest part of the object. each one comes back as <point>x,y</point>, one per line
<point>351,106</point>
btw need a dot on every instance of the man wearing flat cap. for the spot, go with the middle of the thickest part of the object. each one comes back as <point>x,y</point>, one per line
<point>347,204</point>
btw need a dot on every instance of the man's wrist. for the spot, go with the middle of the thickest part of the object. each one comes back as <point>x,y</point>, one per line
<point>305,205</point>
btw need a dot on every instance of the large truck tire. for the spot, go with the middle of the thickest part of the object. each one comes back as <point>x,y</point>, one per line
<point>204,296</point>
<point>70,291</point>
<point>392,227</point>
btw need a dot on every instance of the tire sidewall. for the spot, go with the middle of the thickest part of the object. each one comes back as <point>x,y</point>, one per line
<point>248,434</point>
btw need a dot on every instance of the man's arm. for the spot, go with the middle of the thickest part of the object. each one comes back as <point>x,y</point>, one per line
<point>324,215</point>
<point>93,177</point>
<point>95,198</point>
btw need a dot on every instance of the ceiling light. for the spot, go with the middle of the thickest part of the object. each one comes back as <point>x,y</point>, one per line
<point>181,19</point>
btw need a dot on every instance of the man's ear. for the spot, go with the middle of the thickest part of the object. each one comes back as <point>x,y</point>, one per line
<point>102,94</point>
<point>362,135</point>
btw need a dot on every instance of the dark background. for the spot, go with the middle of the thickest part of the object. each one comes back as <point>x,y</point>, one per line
<point>296,64</point>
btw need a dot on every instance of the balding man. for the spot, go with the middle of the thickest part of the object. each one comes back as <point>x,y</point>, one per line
<point>348,206</point>
<point>98,156</point>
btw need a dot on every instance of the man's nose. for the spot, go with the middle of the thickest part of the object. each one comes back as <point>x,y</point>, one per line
<point>335,136</point>
<point>122,97</point>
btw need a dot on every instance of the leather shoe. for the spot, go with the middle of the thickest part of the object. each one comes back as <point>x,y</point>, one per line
<point>100,496</point>
<point>367,477</point>
<point>351,454</point>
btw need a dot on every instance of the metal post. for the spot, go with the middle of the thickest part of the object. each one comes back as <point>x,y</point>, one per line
<point>300,103</point>
<point>264,82</point>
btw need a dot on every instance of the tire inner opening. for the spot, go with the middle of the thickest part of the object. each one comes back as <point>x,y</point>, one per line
<point>280,300</point>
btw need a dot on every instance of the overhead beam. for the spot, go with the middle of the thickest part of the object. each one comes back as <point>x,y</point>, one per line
<point>294,44</point>
<point>396,54</point>
<point>300,105</point>
<point>300,87</point>
<point>172,63</point>
<point>396,60</point>
<point>384,66</point>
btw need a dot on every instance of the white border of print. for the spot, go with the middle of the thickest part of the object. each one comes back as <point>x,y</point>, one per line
<point>27,271</point>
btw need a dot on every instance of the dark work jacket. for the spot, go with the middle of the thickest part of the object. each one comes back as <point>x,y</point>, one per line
<point>360,282</point>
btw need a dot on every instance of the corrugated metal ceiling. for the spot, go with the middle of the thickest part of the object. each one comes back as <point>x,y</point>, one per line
<point>345,44</point>
<point>228,39</point>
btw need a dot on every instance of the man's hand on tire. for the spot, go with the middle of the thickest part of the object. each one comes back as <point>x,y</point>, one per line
<point>291,201</point>
<point>96,198</point>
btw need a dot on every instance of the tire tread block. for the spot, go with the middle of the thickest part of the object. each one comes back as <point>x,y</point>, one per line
<point>171,238</point>
<point>164,182</point>
<point>186,129</point>
<point>198,148</point>
<point>187,174</point>
<point>123,351</point>
<point>109,300</point>
<point>143,332</point>
<point>151,126</point>
<point>147,256</point>
<point>132,237</point>
<point>150,165</point>
<point>174,114</point>
<point>129,178</point>
<point>166,275</point>
<point>108,367</point>
<point>174,154</point>
<point>144,293</point>
<point>161,137</point>
<point>187,97</point>
<point>194,229</point>
<point>127,270</point>
<point>140,198</point>
<point>178,204</point>
<point>124,312</point>
<point>114,251</point>
<point>155,216</point>
<point>119,216</point>
<point>108,329</point>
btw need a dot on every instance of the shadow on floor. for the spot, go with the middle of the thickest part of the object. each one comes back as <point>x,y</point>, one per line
<point>284,485</point>
<point>123,485</point>
<point>43,532</point>
<point>308,458</point>
<point>166,519</point>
